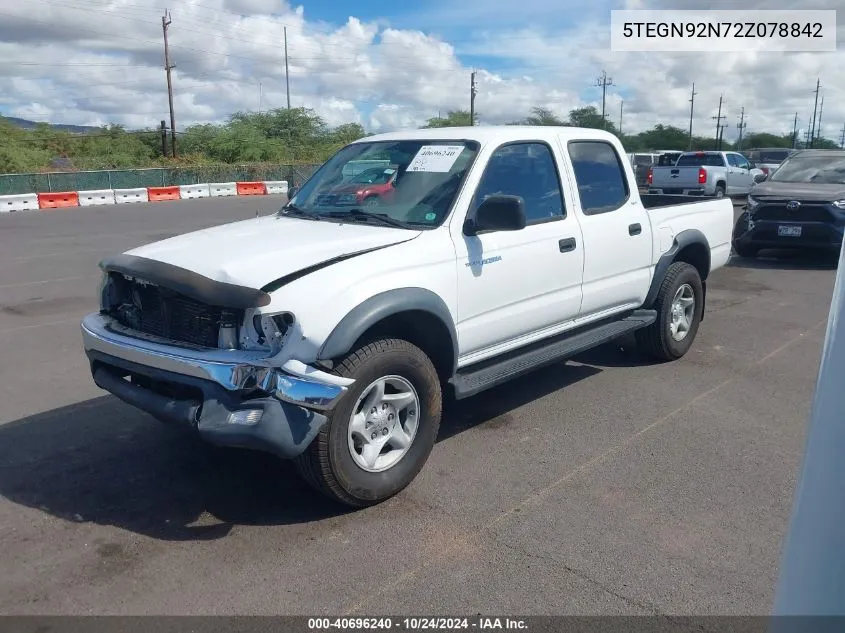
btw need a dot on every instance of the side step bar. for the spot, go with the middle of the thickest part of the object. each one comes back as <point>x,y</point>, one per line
<point>488,374</point>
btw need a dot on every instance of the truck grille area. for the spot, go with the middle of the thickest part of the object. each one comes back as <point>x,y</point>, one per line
<point>163,312</point>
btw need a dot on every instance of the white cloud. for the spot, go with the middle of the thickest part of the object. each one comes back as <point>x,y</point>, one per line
<point>97,61</point>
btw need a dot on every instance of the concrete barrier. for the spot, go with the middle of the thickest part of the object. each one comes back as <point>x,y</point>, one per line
<point>159,194</point>
<point>223,189</point>
<point>189,192</point>
<point>58,200</point>
<point>276,186</point>
<point>123,196</point>
<point>95,197</point>
<point>19,202</point>
<point>251,188</point>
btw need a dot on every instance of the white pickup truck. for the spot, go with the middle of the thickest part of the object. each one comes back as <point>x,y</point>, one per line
<point>328,332</point>
<point>712,174</point>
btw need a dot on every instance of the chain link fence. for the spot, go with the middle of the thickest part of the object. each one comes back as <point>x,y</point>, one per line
<point>50,182</point>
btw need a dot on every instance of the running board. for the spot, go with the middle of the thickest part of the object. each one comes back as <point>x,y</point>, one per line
<point>471,381</point>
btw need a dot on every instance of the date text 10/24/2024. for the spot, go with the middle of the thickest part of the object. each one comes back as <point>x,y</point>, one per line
<point>417,624</point>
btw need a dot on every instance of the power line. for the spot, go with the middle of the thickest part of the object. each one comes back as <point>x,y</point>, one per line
<point>165,22</point>
<point>603,82</point>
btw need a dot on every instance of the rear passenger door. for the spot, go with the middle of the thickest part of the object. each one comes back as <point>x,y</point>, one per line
<point>518,286</point>
<point>740,177</point>
<point>615,226</point>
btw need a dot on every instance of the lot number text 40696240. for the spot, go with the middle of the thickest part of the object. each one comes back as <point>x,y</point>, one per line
<point>416,624</point>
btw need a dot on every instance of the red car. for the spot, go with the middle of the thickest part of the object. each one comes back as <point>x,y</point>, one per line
<point>369,188</point>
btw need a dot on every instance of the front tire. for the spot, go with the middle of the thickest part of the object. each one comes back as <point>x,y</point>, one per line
<point>381,433</point>
<point>679,306</point>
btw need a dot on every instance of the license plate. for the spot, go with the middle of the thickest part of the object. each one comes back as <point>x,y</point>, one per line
<point>789,231</point>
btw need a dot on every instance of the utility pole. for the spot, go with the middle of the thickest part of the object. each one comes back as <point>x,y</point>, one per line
<point>795,131</point>
<point>722,134</point>
<point>287,73</point>
<point>741,125</point>
<point>621,103</point>
<point>819,128</point>
<point>603,82</point>
<point>473,90</point>
<point>164,138</point>
<point>719,116</point>
<point>165,22</point>
<point>815,106</point>
<point>691,108</point>
<point>842,138</point>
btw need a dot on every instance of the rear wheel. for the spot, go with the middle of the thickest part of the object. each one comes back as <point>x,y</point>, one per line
<point>381,433</point>
<point>679,307</point>
<point>720,190</point>
<point>372,201</point>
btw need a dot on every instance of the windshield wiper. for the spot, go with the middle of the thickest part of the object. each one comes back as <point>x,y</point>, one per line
<point>379,217</point>
<point>292,209</point>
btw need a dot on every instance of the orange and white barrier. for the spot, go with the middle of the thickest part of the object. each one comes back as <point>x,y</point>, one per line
<point>64,199</point>
<point>19,202</point>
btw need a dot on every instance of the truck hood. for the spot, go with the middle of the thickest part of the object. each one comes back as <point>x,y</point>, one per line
<point>256,252</point>
<point>809,191</point>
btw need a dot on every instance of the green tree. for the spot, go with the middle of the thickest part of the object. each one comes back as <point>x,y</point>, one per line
<point>543,116</point>
<point>453,118</point>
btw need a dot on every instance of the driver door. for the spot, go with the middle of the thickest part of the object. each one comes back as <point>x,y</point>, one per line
<point>515,287</point>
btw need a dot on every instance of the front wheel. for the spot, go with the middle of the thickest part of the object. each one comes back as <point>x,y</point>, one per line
<point>383,430</point>
<point>679,306</point>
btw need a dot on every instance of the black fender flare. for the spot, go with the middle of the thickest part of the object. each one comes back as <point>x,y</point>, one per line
<point>681,241</point>
<point>379,307</point>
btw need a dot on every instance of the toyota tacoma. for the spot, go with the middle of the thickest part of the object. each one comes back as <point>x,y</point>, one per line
<point>328,333</point>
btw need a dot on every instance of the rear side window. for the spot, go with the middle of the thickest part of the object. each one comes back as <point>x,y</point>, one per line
<point>600,176</point>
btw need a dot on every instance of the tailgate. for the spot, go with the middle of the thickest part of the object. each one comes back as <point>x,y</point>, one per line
<point>676,177</point>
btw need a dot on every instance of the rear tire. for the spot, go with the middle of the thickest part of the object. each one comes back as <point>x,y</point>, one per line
<point>720,190</point>
<point>338,462</point>
<point>679,305</point>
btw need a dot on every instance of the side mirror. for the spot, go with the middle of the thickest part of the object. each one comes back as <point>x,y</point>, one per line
<point>497,213</point>
<point>758,178</point>
<point>292,189</point>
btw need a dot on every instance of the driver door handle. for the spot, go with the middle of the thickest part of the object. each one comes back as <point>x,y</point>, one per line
<point>567,245</point>
<point>634,229</point>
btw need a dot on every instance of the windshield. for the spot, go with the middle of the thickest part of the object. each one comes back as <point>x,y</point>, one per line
<point>825,170</point>
<point>769,155</point>
<point>700,160</point>
<point>427,175</point>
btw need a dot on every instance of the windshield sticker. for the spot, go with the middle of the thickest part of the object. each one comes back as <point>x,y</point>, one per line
<point>389,171</point>
<point>435,158</point>
<point>430,216</point>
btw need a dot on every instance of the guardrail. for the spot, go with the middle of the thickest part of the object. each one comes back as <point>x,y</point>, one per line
<point>63,199</point>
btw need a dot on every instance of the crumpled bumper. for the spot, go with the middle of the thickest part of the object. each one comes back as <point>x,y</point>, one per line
<point>231,397</point>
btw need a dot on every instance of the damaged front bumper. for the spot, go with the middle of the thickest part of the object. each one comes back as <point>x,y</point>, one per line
<point>231,397</point>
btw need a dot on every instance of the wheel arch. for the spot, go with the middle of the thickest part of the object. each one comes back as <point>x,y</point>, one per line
<point>690,246</point>
<point>414,314</point>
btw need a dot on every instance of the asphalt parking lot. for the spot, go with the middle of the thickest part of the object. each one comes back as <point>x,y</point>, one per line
<point>605,485</point>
